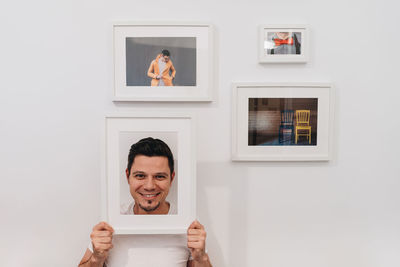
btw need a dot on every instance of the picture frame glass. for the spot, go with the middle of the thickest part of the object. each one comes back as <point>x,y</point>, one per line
<point>283,44</point>
<point>177,134</point>
<point>157,62</point>
<point>282,122</point>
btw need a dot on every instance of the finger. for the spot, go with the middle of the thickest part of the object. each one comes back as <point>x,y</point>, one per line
<point>102,233</point>
<point>98,247</point>
<point>196,225</point>
<point>196,245</point>
<point>196,232</point>
<point>107,227</point>
<point>96,234</point>
<point>103,240</point>
<point>196,238</point>
<point>103,226</point>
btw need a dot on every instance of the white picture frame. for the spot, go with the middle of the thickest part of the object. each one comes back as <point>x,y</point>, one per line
<point>295,50</point>
<point>257,128</point>
<point>136,45</point>
<point>121,131</point>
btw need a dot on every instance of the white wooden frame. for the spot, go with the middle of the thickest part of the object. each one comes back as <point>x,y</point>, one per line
<point>276,58</point>
<point>161,122</point>
<point>203,91</point>
<point>241,92</point>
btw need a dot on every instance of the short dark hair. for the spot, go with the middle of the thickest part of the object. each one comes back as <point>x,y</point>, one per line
<point>165,52</point>
<point>150,147</point>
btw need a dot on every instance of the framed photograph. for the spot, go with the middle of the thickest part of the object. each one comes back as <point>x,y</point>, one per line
<point>150,175</point>
<point>163,62</point>
<point>283,44</point>
<point>282,121</point>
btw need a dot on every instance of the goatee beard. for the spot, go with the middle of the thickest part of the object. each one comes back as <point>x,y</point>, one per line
<point>149,209</point>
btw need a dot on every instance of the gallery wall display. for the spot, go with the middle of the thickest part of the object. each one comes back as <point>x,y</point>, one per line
<point>163,62</point>
<point>282,121</point>
<point>121,132</point>
<point>283,44</point>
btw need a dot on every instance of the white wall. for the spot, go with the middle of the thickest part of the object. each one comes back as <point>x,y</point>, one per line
<point>56,81</point>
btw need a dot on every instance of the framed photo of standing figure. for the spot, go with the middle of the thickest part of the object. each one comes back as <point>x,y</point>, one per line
<point>282,121</point>
<point>163,61</point>
<point>150,173</point>
<point>283,44</point>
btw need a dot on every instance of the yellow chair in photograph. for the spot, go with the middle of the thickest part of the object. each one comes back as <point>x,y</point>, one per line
<point>302,127</point>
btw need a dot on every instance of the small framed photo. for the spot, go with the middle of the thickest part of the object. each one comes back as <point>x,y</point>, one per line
<point>283,44</point>
<point>282,121</point>
<point>150,175</point>
<point>163,62</point>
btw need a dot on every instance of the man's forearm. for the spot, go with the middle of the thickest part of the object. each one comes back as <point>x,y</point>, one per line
<point>204,262</point>
<point>92,262</point>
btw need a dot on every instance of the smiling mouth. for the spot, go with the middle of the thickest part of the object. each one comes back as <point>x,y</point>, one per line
<point>149,196</point>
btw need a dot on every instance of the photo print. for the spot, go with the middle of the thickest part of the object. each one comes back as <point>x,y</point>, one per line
<point>161,61</point>
<point>282,43</point>
<point>126,140</point>
<point>149,173</point>
<point>282,121</point>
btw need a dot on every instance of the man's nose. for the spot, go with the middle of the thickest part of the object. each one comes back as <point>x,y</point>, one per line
<point>149,184</point>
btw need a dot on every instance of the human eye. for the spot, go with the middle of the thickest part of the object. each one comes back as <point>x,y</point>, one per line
<point>139,176</point>
<point>160,176</point>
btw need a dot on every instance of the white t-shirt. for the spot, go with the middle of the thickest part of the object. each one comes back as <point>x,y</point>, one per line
<point>127,208</point>
<point>161,67</point>
<point>147,250</point>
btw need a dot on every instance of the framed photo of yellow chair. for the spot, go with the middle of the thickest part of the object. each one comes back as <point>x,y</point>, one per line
<point>282,121</point>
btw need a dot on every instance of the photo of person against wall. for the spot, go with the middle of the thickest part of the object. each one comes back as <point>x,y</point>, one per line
<point>282,121</point>
<point>160,61</point>
<point>282,43</point>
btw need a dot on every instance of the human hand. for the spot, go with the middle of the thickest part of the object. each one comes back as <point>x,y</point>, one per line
<point>101,237</point>
<point>158,77</point>
<point>196,241</point>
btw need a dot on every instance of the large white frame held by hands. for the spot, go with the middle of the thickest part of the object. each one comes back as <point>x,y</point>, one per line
<point>263,57</point>
<point>242,150</point>
<point>203,88</point>
<point>118,128</point>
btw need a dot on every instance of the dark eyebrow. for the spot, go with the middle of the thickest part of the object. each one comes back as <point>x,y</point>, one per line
<point>162,173</point>
<point>138,172</point>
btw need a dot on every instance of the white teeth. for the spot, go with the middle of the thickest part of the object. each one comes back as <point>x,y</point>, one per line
<point>149,195</point>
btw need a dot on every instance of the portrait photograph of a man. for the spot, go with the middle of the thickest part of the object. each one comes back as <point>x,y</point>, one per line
<point>160,61</point>
<point>148,184</point>
<point>163,62</point>
<point>149,181</point>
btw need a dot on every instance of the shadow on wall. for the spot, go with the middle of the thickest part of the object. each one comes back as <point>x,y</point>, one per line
<point>222,207</point>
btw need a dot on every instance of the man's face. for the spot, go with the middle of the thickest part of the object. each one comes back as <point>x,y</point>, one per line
<point>149,182</point>
<point>166,58</point>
